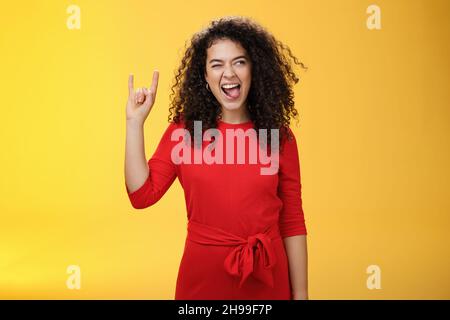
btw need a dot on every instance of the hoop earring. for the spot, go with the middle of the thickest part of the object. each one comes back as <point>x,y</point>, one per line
<point>207,87</point>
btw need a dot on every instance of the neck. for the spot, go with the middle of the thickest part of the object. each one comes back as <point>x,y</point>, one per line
<point>235,116</point>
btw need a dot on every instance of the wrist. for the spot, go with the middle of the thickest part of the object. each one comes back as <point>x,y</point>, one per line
<point>135,123</point>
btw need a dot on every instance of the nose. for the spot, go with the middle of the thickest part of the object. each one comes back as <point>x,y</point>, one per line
<point>229,71</point>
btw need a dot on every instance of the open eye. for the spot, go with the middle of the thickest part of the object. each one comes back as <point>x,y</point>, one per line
<point>241,61</point>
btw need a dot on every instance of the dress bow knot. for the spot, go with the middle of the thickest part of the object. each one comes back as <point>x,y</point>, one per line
<point>255,257</point>
<point>252,256</point>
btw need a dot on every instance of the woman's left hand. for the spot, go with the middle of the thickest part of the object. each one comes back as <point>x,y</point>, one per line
<point>300,296</point>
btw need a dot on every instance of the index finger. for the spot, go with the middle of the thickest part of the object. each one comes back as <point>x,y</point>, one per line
<point>154,86</point>
<point>130,83</point>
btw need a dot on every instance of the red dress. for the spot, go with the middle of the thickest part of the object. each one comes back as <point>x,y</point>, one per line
<point>237,219</point>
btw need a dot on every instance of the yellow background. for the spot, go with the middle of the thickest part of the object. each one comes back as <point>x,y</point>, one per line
<point>373,141</point>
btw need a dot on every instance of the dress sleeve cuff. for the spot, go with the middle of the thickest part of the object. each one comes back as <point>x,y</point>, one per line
<point>138,195</point>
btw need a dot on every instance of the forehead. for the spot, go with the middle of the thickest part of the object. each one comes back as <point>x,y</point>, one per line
<point>225,49</point>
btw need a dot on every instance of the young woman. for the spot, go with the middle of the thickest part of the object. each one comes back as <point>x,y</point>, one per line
<point>246,232</point>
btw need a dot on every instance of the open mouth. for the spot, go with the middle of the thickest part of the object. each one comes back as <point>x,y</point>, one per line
<point>232,92</point>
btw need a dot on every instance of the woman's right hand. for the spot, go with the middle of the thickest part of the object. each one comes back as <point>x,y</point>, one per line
<point>141,100</point>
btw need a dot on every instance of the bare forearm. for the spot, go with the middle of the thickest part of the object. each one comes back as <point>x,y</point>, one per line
<point>296,250</point>
<point>136,167</point>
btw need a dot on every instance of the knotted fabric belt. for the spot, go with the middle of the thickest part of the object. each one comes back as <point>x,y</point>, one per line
<point>254,255</point>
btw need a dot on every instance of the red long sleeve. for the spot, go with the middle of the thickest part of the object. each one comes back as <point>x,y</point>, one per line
<point>162,173</point>
<point>291,219</point>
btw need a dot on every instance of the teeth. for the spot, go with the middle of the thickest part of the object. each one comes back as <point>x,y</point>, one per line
<point>229,86</point>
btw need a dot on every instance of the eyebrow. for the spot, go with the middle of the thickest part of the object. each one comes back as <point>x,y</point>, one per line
<point>218,60</point>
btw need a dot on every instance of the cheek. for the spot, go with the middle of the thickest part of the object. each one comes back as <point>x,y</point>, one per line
<point>247,80</point>
<point>246,75</point>
<point>214,78</point>
<point>213,75</point>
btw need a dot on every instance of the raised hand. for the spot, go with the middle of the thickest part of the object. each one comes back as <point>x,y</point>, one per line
<point>141,100</point>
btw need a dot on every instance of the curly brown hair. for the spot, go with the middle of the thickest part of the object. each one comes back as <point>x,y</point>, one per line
<point>270,100</point>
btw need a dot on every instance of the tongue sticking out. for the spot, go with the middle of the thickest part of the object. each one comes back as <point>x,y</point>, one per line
<point>233,92</point>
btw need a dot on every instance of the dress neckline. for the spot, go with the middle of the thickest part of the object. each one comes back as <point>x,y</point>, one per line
<point>247,123</point>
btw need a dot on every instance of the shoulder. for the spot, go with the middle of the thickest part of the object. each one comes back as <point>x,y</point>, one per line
<point>172,125</point>
<point>287,136</point>
<point>173,129</point>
